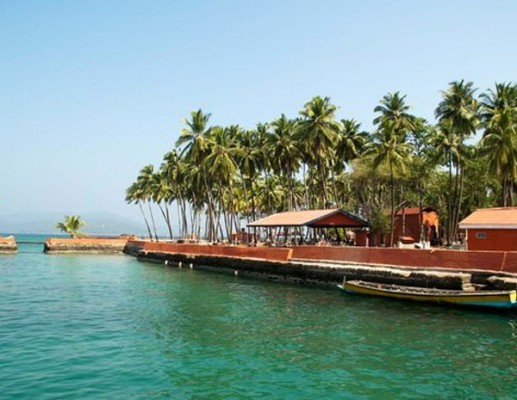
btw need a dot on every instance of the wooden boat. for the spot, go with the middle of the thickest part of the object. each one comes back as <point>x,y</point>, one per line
<point>481,298</point>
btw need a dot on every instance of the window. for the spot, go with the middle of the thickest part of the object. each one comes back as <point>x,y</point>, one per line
<point>480,235</point>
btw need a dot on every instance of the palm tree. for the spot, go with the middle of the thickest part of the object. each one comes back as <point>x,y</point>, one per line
<point>162,195</point>
<point>394,109</point>
<point>318,131</point>
<point>194,140</point>
<point>284,152</point>
<point>134,194</point>
<point>499,142</point>
<point>71,225</point>
<point>222,166</point>
<point>145,182</point>
<point>174,168</point>
<point>352,142</point>
<point>458,112</point>
<point>249,161</point>
<point>389,148</point>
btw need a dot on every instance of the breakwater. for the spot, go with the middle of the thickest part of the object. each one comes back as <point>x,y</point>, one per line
<point>8,245</point>
<point>85,245</point>
<point>443,269</point>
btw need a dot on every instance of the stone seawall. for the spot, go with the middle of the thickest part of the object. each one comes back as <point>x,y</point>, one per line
<point>8,245</point>
<point>309,273</point>
<point>326,268</point>
<point>85,245</point>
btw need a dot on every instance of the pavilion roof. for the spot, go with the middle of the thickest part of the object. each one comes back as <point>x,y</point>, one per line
<point>313,218</point>
<point>491,218</point>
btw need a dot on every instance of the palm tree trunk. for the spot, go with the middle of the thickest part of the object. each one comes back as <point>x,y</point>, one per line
<point>323,183</point>
<point>449,204</point>
<point>166,217</point>
<point>305,188</point>
<point>145,220</point>
<point>152,220</point>
<point>209,200</point>
<point>392,220</point>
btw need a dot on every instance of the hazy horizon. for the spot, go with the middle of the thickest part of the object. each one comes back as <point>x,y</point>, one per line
<point>93,91</point>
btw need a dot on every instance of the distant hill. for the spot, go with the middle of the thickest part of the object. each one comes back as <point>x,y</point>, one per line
<point>96,223</point>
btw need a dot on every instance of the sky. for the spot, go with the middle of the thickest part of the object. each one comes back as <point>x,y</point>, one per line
<point>91,91</point>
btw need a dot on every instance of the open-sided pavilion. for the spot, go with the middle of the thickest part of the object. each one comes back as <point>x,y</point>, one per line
<point>316,220</point>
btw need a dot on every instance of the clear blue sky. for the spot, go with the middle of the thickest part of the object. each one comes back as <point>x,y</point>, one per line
<point>91,91</point>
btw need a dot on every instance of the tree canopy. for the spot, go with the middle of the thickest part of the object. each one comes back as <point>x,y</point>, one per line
<point>216,177</point>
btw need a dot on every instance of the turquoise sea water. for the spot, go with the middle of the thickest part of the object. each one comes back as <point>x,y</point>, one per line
<point>90,326</point>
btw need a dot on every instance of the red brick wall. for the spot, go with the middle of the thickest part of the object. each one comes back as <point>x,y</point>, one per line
<point>483,260</point>
<point>266,253</point>
<point>496,239</point>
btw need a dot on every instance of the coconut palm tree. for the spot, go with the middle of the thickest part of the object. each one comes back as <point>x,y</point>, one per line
<point>458,111</point>
<point>174,167</point>
<point>71,225</point>
<point>250,160</point>
<point>499,143</point>
<point>393,109</point>
<point>318,135</point>
<point>284,152</point>
<point>145,181</point>
<point>134,194</point>
<point>194,143</point>
<point>221,164</point>
<point>352,142</point>
<point>162,195</point>
<point>389,148</point>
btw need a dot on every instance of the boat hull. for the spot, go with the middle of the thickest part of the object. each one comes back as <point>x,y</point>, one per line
<point>489,299</point>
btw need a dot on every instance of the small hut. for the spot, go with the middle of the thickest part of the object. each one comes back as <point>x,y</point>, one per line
<point>491,229</point>
<point>407,225</point>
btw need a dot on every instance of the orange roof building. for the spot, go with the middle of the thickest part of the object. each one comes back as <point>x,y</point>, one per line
<point>407,225</point>
<point>491,229</point>
<point>336,217</point>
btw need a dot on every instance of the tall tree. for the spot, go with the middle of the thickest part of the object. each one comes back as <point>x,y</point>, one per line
<point>145,181</point>
<point>250,161</point>
<point>394,110</point>
<point>499,143</point>
<point>221,165</point>
<point>284,151</point>
<point>135,194</point>
<point>351,144</point>
<point>389,148</point>
<point>458,112</point>
<point>194,141</point>
<point>319,130</point>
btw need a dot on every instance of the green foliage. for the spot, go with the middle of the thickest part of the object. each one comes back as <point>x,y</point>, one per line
<point>219,175</point>
<point>71,225</point>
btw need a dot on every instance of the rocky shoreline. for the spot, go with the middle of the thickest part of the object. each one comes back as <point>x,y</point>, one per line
<point>8,245</point>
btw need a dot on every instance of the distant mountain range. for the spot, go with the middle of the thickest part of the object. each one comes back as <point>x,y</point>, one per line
<point>96,223</point>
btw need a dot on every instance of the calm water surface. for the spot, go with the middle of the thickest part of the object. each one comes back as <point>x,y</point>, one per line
<point>85,327</point>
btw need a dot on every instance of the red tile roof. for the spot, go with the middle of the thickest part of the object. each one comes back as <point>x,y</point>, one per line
<point>491,218</point>
<point>309,218</point>
<point>414,210</point>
